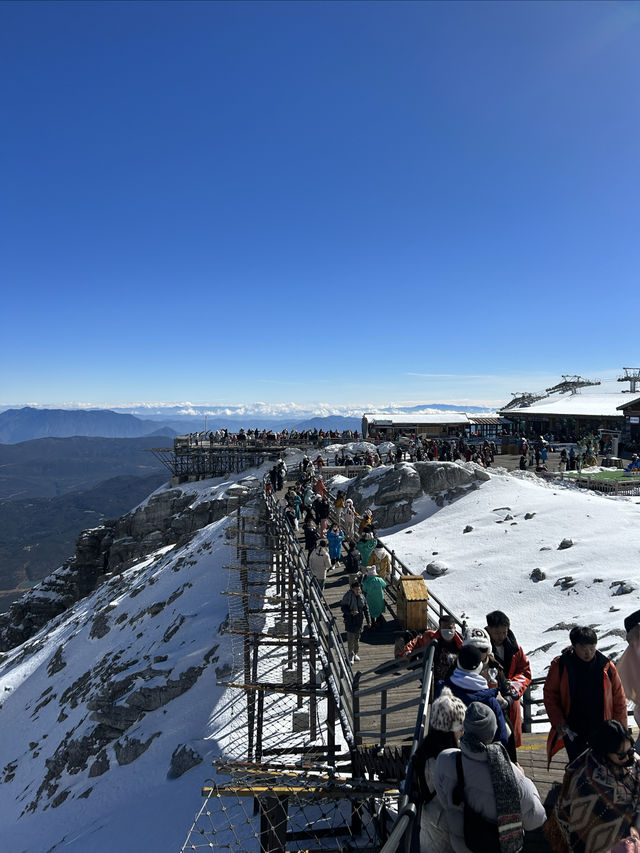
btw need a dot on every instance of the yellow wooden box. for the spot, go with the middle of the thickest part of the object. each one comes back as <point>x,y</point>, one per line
<point>412,602</point>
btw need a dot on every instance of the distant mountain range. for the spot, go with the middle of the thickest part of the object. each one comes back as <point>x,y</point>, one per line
<point>29,423</point>
<point>49,467</point>
<point>37,534</point>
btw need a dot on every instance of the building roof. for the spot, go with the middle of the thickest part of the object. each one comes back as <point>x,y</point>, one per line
<point>602,405</point>
<point>631,403</point>
<point>384,419</point>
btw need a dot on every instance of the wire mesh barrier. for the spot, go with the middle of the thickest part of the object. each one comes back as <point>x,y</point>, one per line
<point>292,810</point>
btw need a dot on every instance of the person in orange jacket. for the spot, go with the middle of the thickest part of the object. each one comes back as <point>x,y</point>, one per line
<point>515,665</point>
<point>581,690</point>
<point>448,644</point>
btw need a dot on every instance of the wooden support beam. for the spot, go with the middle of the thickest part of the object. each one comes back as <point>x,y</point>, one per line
<point>302,690</point>
<point>349,792</point>
<point>265,596</point>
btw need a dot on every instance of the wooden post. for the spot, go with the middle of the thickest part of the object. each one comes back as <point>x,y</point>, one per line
<point>299,651</point>
<point>313,702</point>
<point>331,728</point>
<point>273,824</point>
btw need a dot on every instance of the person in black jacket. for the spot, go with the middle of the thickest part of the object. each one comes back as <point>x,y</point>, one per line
<point>310,535</point>
<point>352,559</point>
<point>355,611</point>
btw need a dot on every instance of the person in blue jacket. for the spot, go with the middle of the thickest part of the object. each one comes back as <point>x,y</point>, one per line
<point>335,537</point>
<point>634,465</point>
<point>469,685</point>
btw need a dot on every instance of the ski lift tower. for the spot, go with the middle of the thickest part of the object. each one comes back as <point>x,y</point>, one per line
<point>571,384</point>
<point>522,399</point>
<point>632,376</point>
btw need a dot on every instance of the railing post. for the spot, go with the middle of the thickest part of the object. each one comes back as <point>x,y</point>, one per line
<point>383,717</point>
<point>526,711</point>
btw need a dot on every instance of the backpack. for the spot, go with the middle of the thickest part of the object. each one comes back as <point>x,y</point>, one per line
<point>480,835</point>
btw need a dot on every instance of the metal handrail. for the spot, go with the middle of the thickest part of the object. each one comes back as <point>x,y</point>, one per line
<point>329,644</point>
<point>409,807</point>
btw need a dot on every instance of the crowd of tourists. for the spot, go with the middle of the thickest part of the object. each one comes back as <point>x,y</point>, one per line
<point>474,794</point>
<point>269,436</point>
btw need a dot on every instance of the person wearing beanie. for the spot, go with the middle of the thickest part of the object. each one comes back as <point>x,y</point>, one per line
<point>480,775</point>
<point>446,719</point>
<point>515,666</point>
<point>582,688</point>
<point>468,684</point>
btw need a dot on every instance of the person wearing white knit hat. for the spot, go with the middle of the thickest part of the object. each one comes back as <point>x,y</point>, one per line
<point>446,720</point>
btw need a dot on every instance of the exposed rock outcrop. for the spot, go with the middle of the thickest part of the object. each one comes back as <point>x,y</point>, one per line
<point>391,492</point>
<point>169,517</point>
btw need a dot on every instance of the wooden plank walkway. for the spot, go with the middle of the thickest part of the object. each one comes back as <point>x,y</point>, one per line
<point>377,649</point>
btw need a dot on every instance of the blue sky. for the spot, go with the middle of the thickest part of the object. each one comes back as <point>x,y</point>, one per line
<point>347,202</point>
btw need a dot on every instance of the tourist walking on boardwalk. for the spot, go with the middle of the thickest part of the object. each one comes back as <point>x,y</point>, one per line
<point>629,664</point>
<point>600,796</point>
<point>290,515</point>
<point>320,562</point>
<point>355,610</point>
<point>446,720</point>
<point>382,561</point>
<point>581,690</point>
<point>294,500</point>
<point>448,644</point>
<point>366,523</point>
<point>335,537</point>
<point>310,535</point>
<point>320,487</point>
<point>323,510</point>
<point>339,505</point>
<point>515,665</point>
<point>350,516</point>
<point>479,783</point>
<point>352,559</point>
<point>468,684</point>
<point>366,546</point>
<point>373,587</point>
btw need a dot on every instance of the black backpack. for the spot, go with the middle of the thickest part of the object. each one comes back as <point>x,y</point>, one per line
<point>480,835</point>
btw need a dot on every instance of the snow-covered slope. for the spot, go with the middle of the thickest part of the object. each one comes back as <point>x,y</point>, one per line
<point>518,524</point>
<point>96,704</point>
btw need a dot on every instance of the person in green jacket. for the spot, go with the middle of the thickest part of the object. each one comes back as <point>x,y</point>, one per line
<point>373,587</point>
<point>366,546</point>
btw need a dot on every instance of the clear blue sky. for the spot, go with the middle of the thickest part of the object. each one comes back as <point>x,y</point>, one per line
<point>348,202</point>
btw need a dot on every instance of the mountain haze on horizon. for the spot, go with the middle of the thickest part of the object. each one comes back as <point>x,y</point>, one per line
<point>31,422</point>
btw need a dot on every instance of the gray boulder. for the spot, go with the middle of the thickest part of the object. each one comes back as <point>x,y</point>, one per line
<point>183,759</point>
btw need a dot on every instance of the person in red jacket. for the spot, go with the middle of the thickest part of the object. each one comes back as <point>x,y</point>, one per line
<point>448,641</point>
<point>581,690</point>
<point>515,665</point>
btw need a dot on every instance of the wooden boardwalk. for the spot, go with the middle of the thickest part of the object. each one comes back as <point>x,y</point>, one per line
<point>377,650</point>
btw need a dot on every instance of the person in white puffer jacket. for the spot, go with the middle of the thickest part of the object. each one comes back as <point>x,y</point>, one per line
<point>493,787</point>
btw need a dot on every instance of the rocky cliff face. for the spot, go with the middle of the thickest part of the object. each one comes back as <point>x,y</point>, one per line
<point>168,517</point>
<point>390,492</point>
